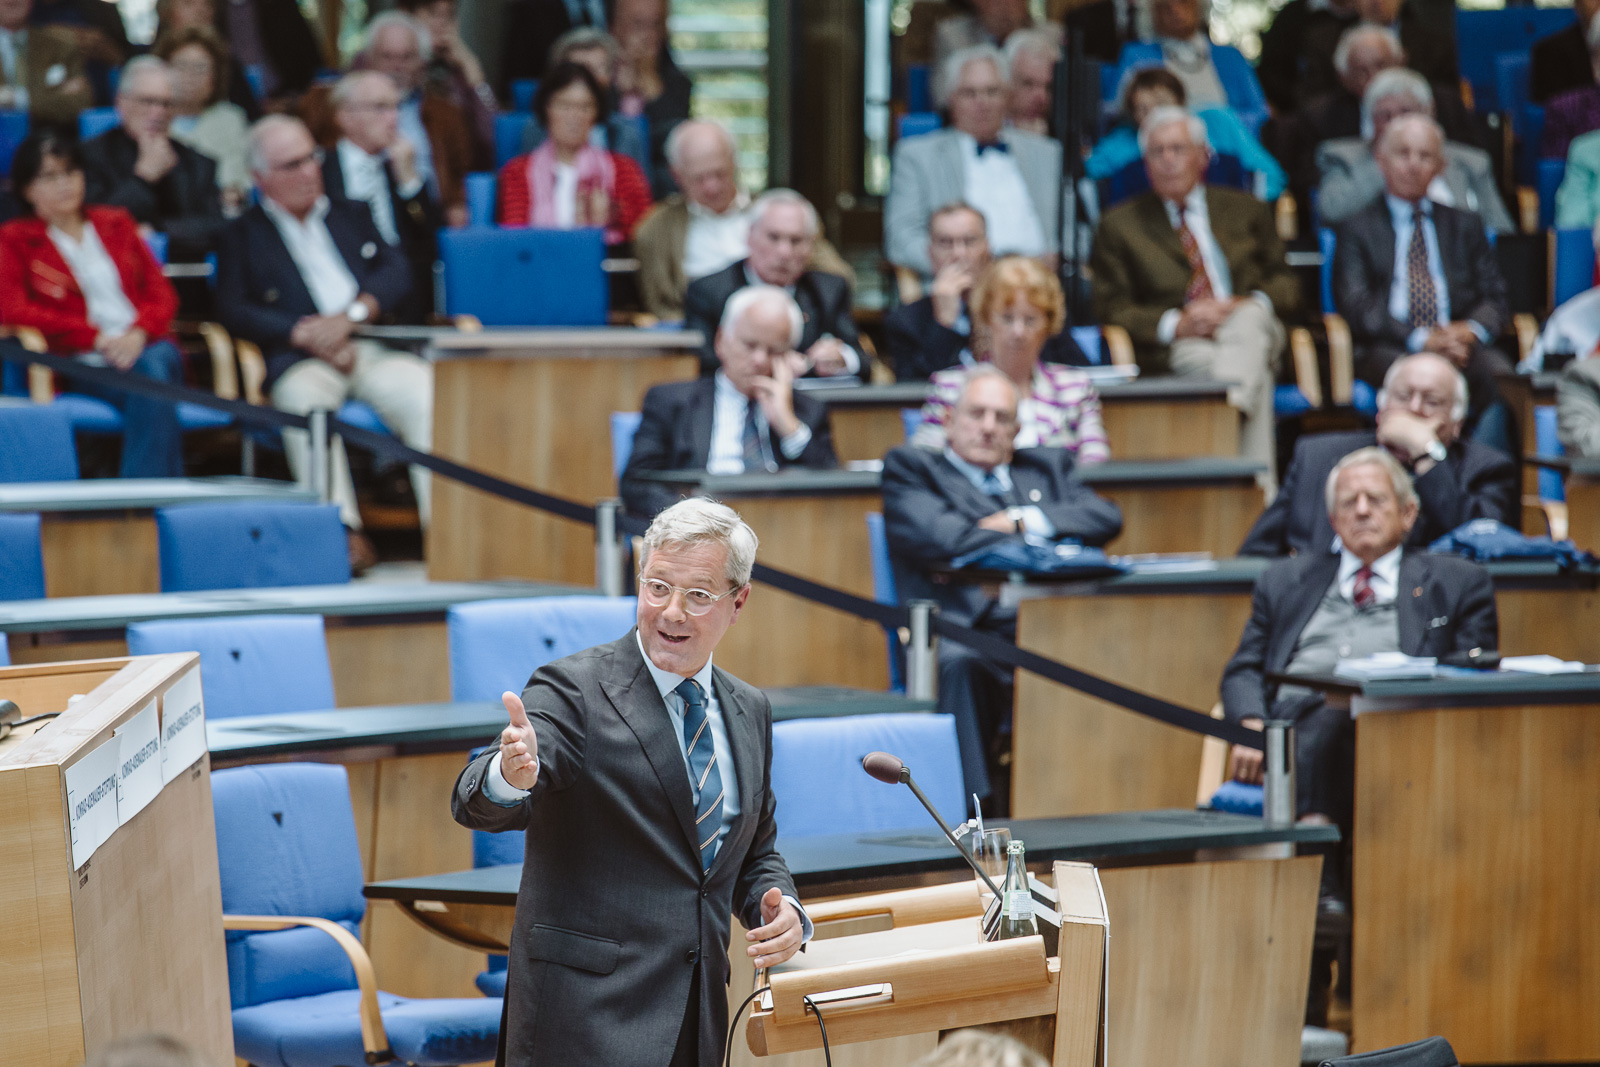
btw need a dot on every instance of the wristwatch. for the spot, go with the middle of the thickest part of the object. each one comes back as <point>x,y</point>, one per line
<point>358,312</point>
<point>1436,451</point>
<point>1015,515</point>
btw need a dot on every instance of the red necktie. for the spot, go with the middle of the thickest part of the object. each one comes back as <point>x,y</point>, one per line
<point>1199,287</point>
<point>1363,593</point>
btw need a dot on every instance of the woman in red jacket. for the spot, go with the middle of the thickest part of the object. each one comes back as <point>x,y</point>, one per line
<point>567,182</point>
<point>84,277</point>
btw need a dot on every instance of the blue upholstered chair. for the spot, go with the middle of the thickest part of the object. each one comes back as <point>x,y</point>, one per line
<point>916,123</point>
<point>884,591</point>
<point>13,129</point>
<point>624,424</point>
<point>21,558</point>
<point>910,420</point>
<point>1238,798</point>
<point>496,644</point>
<point>1088,338</point>
<point>1484,36</point>
<point>525,277</point>
<point>1547,442</point>
<point>36,444</point>
<point>301,986</point>
<point>482,189</point>
<point>523,90</point>
<point>5,652</point>
<point>1362,396</point>
<point>249,664</point>
<point>1548,175</point>
<point>821,789</point>
<point>247,546</point>
<point>93,121</point>
<point>1571,264</point>
<point>495,850</point>
<point>508,136</point>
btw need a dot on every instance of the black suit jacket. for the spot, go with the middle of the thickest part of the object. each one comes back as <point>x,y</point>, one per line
<point>919,344</point>
<point>1558,63</point>
<point>614,917</point>
<point>531,27</point>
<point>1474,482</point>
<point>417,220</point>
<point>931,513</point>
<point>1445,604</point>
<point>675,434</point>
<point>1293,68</point>
<point>184,204</point>
<point>824,300</point>
<point>1363,268</point>
<point>260,294</point>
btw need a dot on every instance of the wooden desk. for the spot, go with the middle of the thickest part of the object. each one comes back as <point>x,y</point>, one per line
<point>1170,635</point>
<point>1583,503</point>
<point>534,407</point>
<point>99,535</point>
<point>386,640</point>
<point>1152,418</point>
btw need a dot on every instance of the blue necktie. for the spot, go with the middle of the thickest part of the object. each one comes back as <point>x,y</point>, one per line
<point>994,146</point>
<point>707,780</point>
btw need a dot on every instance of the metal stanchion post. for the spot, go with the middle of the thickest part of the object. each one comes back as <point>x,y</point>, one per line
<point>922,664</point>
<point>1278,803</point>
<point>609,559</point>
<point>321,482</point>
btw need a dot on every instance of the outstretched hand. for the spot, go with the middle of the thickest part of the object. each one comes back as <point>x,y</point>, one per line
<point>519,746</point>
<point>778,937</point>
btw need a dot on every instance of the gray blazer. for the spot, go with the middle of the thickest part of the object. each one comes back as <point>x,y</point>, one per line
<point>614,918</point>
<point>1578,407</point>
<point>1351,180</point>
<point>929,173</point>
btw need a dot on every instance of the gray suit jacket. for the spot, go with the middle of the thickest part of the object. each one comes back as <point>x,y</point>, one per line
<point>929,173</point>
<point>614,917</point>
<point>1351,180</point>
<point>1578,407</point>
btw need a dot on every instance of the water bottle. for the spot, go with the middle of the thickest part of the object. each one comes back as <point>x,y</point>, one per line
<point>1016,909</point>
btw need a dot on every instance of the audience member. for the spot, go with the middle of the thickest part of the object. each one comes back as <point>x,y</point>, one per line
<point>979,1048</point>
<point>1013,177</point>
<point>704,228</point>
<point>41,69</point>
<point>532,26</point>
<point>1420,409</point>
<point>1352,179</point>
<point>272,40</point>
<point>202,118</point>
<point>746,417</point>
<point>1578,405</point>
<point>979,491</point>
<point>83,277</point>
<point>175,16</point>
<point>455,69</point>
<point>1572,112</point>
<point>990,22</point>
<point>1187,51</point>
<point>597,52</point>
<point>297,274</point>
<point>146,1050</point>
<point>1197,277</point>
<point>98,32</point>
<point>1571,332</point>
<point>1412,275</point>
<point>1146,88</point>
<point>1018,308</point>
<point>783,232</point>
<point>1561,61</point>
<point>567,182</point>
<point>1578,195</point>
<point>649,82</point>
<point>1287,68</point>
<point>1427,31</point>
<point>166,186</point>
<point>1032,55</point>
<point>374,165</point>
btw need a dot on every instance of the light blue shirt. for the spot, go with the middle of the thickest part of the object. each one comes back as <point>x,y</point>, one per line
<point>1034,520</point>
<point>1400,215</point>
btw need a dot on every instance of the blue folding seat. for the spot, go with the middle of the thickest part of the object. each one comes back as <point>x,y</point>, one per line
<point>250,546</point>
<point>249,664</point>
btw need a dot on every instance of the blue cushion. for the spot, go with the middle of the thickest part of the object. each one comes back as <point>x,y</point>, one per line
<point>496,644</point>
<point>5,652</point>
<point>1364,398</point>
<point>298,962</point>
<point>1238,798</point>
<point>1088,338</point>
<point>362,416</point>
<point>249,664</point>
<point>821,788</point>
<point>910,420</point>
<point>321,1031</point>
<point>21,557</point>
<point>248,546</point>
<point>884,591</point>
<point>1288,400</point>
<point>13,128</point>
<point>200,417</point>
<point>492,983</point>
<point>624,424</point>
<point>525,277</point>
<point>93,121</point>
<point>1548,443</point>
<point>36,444</point>
<point>523,90</point>
<point>1574,264</point>
<point>916,123</point>
<point>90,414</point>
<point>508,136</point>
<point>482,188</point>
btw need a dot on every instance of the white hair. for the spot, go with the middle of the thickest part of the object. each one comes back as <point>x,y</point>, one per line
<point>1396,81</point>
<point>1364,31</point>
<point>346,87</point>
<point>981,371</point>
<point>418,32</point>
<point>1458,403</point>
<point>773,197</point>
<point>684,130</point>
<point>1041,43</point>
<point>138,65</point>
<point>1166,116</point>
<point>751,295</point>
<point>698,520</point>
<point>582,39</point>
<point>955,64</point>
<point>1404,491</point>
<point>258,135</point>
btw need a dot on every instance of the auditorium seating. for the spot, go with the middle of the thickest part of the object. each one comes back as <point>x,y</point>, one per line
<point>1571,264</point>
<point>885,592</point>
<point>525,277</point>
<point>21,557</point>
<point>496,644</point>
<point>1482,36</point>
<point>94,121</point>
<point>244,546</point>
<point>301,986</point>
<point>36,444</point>
<point>249,664</point>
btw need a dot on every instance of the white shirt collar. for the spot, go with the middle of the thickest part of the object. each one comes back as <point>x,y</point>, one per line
<point>726,388</point>
<point>976,474</point>
<point>1385,572</point>
<point>741,203</point>
<point>280,214</point>
<point>666,681</point>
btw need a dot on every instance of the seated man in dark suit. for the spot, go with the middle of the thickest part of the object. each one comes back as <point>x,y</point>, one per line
<point>297,275</point>
<point>977,492</point>
<point>1410,275</point>
<point>1420,410</point>
<point>1311,611</point>
<point>783,230</point>
<point>1560,62</point>
<point>373,164</point>
<point>746,417</point>
<point>936,332</point>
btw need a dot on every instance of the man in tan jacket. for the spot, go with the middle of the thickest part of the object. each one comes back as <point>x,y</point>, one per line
<point>41,68</point>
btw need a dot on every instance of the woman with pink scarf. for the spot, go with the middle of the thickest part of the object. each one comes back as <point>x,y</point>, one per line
<point>567,182</point>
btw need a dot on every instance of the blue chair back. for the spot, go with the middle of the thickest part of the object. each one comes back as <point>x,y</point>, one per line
<point>1483,36</point>
<point>249,664</point>
<point>1132,179</point>
<point>286,845</point>
<point>1572,265</point>
<point>496,644</point>
<point>21,558</point>
<point>156,241</point>
<point>508,127</point>
<point>523,90</point>
<point>1511,82</point>
<point>525,277</point>
<point>93,121</point>
<point>482,189</point>
<point>13,128</point>
<point>821,789</point>
<point>1325,244</point>
<point>911,419</point>
<point>1528,124</point>
<point>5,652</point>
<point>1088,338</point>
<point>915,123</point>
<point>247,546</point>
<point>884,591</point>
<point>1548,443</point>
<point>1549,177</point>
<point>919,88</point>
<point>624,424</point>
<point>36,444</point>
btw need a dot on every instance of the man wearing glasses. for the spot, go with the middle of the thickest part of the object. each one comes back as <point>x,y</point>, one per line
<point>1420,410</point>
<point>641,775</point>
<point>166,186</point>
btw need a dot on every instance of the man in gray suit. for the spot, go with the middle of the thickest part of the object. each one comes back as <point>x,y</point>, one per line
<point>1350,176</point>
<point>1012,177</point>
<point>641,775</point>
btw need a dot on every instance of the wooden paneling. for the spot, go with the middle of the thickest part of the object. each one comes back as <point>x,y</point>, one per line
<point>1477,868</point>
<point>90,555</point>
<point>388,662</point>
<point>1171,518</point>
<point>1560,622</point>
<point>865,432</point>
<point>1583,511</point>
<point>1156,428</point>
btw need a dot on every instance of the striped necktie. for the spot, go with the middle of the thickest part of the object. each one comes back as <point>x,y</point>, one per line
<point>1421,296</point>
<point>1362,592</point>
<point>755,451</point>
<point>703,771</point>
<point>1199,287</point>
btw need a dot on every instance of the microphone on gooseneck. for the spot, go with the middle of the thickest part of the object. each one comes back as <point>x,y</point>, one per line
<point>890,769</point>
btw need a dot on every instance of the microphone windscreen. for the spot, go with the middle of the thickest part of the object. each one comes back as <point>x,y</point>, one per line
<point>883,767</point>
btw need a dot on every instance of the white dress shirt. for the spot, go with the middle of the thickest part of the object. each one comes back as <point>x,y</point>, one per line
<point>1197,215</point>
<point>852,358</point>
<point>715,242</point>
<point>333,288</point>
<point>1034,520</point>
<point>1385,581</point>
<point>366,178</point>
<point>13,54</point>
<point>1574,328</point>
<point>566,195</point>
<point>109,308</point>
<point>993,184</point>
<point>1400,212</point>
<point>729,412</point>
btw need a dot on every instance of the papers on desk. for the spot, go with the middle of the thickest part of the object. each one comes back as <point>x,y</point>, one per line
<point>1110,373</point>
<point>873,465</point>
<point>1167,562</point>
<point>1541,665</point>
<point>1388,665</point>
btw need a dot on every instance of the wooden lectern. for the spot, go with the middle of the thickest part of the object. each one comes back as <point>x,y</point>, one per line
<point>929,972</point>
<point>129,940</point>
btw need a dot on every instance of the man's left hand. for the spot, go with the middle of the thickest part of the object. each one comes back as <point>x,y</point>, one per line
<point>827,357</point>
<point>779,936</point>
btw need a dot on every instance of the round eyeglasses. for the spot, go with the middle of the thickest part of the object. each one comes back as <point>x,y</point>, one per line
<point>658,594</point>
